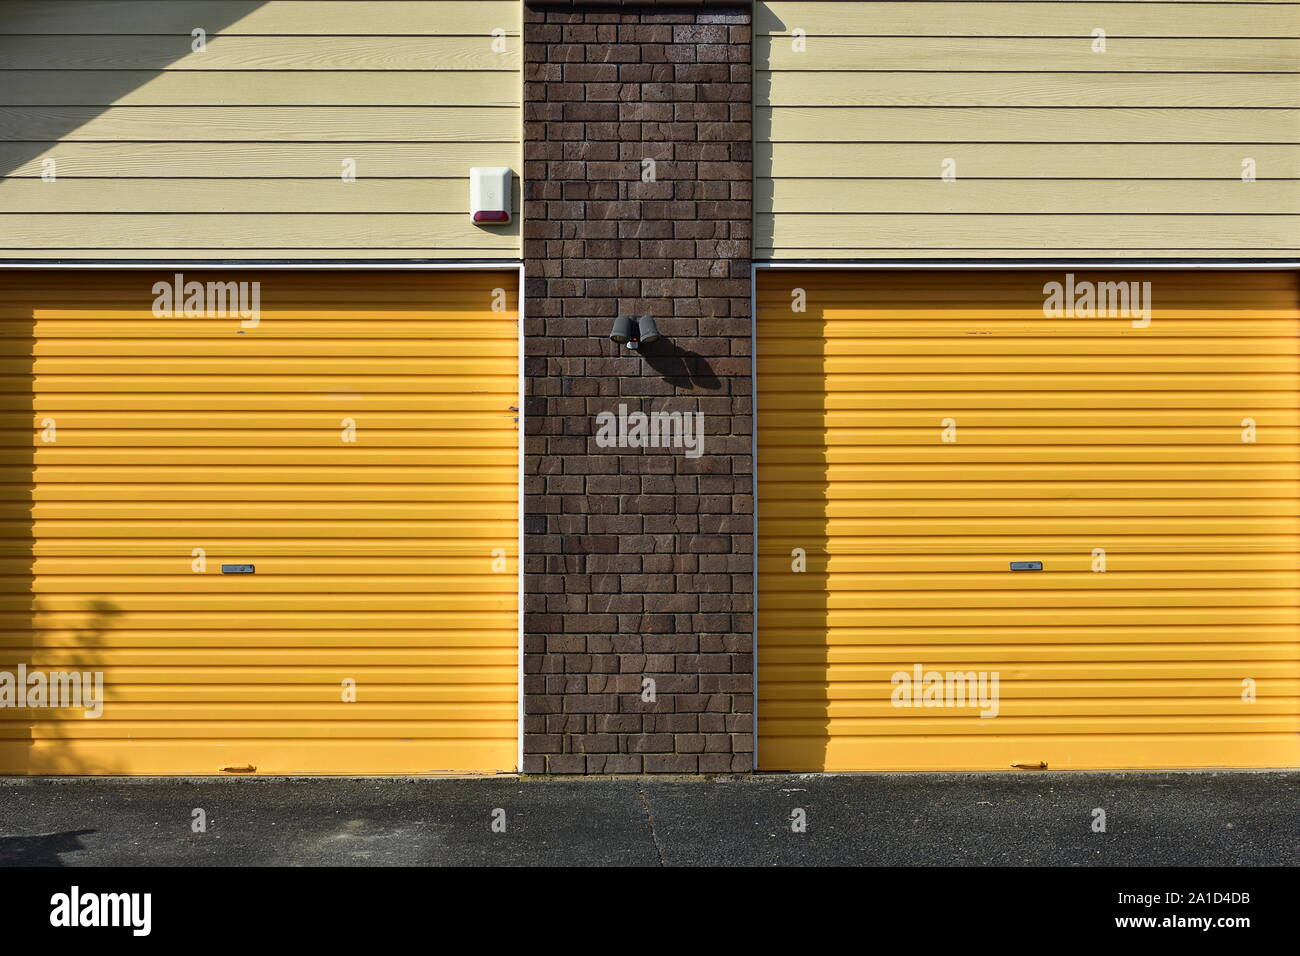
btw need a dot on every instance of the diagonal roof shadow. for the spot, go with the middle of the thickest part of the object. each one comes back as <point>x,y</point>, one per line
<point>32,33</point>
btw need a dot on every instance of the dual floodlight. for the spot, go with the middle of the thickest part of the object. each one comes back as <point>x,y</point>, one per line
<point>634,331</point>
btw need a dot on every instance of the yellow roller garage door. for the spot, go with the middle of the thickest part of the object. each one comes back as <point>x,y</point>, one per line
<point>350,436</point>
<point>921,433</point>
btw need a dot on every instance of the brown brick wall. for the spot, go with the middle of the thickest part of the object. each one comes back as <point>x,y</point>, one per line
<point>637,561</point>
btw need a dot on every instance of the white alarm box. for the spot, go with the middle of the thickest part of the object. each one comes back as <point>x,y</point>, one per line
<point>489,194</point>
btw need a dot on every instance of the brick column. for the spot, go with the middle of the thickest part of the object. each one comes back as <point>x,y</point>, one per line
<point>637,560</point>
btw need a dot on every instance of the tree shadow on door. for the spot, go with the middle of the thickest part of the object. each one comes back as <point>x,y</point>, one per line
<point>50,622</point>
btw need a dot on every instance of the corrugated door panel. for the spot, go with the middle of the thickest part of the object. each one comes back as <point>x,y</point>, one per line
<point>1152,470</point>
<point>358,446</point>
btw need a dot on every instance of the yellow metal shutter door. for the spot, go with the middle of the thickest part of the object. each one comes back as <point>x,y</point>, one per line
<point>1152,470</point>
<point>357,445</point>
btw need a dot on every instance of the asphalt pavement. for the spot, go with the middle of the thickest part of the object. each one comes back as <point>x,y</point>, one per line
<point>1226,818</point>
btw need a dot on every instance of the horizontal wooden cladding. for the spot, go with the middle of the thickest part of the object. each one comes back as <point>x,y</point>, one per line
<point>1026,18</point>
<point>1099,162</point>
<point>413,92</point>
<point>1014,92</point>
<point>829,124</point>
<point>1012,88</point>
<point>277,124</point>
<point>992,253</point>
<point>390,560</point>
<point>380,255</point>
<point>261,17</point>
<point>794,195</point>
<point>386,196</point>
<point>1065,453</point>
<point>844,235</point>
<point>222,52</point>
<point>241,232</point>
<point>253,161</point>
<point>135,88</point>
<point>1030,54</point>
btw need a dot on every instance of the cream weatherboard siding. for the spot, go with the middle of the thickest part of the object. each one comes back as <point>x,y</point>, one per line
<point>238,151</point>
<point>919,432</point>
<point>358,446</point>
<point>1134,152</point>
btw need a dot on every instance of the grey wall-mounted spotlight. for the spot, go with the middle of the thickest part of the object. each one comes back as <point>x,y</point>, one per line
<point>635,331</point>
<point>624,330</point>
<point>649,331</point>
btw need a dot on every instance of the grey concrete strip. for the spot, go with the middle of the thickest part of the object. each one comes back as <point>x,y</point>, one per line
<point>1031,819</point>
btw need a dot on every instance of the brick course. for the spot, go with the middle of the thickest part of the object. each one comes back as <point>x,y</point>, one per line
<point>637,561</point>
